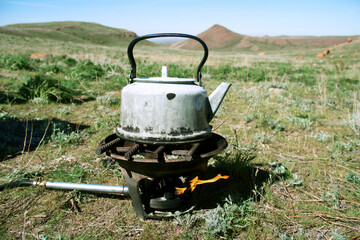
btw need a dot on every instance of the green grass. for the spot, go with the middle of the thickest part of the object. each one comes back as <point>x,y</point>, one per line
<point>292,126</point>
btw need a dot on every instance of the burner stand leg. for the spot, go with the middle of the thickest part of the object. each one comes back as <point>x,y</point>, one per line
<point>134,190</point>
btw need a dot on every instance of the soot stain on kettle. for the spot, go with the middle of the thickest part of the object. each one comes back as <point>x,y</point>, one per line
<point>180,131</point>
<point>149,129</point>
<point>131,129</point>
<point>170,96</point>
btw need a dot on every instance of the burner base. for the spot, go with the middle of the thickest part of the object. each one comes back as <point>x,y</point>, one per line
<point>153,172</point>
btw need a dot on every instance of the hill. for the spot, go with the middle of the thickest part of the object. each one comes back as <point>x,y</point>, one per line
<point>220,38</point>
<point>78,32</point>
<point>216,37</point>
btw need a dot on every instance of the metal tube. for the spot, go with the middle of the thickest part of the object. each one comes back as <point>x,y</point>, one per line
<point>95,188</point>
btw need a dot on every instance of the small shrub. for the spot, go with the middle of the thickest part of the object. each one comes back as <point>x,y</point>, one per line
<point>250,117</point>
<point>301,121</point>
<point>223,220</point>
<point>262,138</point>
<point>107,100</point>
<point>106,120</point>
<point>174,70</point>
<point>66,174</point>
<point>62,111</point>
<point>48,68</point>
<point>355,118</point>
<point>87,70</point>
<point>70,62</point>
<point>296,181</point>
<point>321,136</point>
<point>21,173</point>
<point>273,124</point>
<point>352,178</point>
<point>61,136</point>
<point>305,104</point>
<point>39,100</point>
<point>41,88</point>
<point>331,198</point>
<point>3,97</point>
<point>283,236</point>
<point>16,62</point>
<point>338,236</point>
<point>280,170</point>
<point>187,221</point>
<point>344,146</point>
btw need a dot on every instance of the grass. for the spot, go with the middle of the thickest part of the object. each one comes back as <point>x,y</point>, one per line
<point>292,126</point>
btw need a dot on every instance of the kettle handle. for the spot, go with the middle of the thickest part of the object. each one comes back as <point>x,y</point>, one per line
<point>138,39</point>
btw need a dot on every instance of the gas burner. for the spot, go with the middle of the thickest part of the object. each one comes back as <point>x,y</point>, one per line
<point>153,172</point>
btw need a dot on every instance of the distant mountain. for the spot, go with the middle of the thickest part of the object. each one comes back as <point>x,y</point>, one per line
<point>216,37</point>
<point>220,38</point>
<point>78,32</point>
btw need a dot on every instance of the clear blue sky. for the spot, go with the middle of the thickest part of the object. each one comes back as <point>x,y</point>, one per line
<point>251,17</point>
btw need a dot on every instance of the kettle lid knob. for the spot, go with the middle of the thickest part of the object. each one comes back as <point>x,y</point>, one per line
<point>164,72</point>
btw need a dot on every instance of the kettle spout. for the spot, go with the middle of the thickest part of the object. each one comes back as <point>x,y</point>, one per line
<point>217,97</point>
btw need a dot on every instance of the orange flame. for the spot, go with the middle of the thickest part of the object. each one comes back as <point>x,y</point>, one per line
<point>194,182</point>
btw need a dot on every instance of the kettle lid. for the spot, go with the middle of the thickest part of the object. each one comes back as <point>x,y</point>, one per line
<point>164,78</point>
